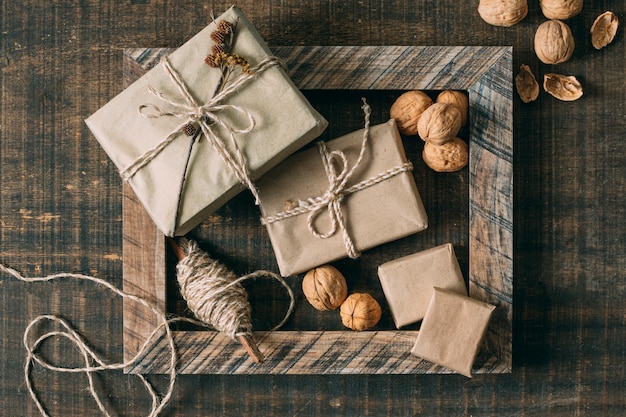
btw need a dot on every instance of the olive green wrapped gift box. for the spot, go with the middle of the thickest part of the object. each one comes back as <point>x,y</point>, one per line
<point>279,118</point>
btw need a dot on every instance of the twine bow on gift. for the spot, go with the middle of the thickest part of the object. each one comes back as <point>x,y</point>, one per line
<point>339,173</point>
<point>208,117</point>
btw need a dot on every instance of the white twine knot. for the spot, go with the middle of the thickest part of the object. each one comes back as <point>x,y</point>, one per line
<point>338,173</point>
<point>207,116</point>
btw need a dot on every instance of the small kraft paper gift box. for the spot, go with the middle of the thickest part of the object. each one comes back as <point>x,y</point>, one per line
<point>345,196</point>
<point>206,122</point>
<point>452,330</point>
<point>408,281</point>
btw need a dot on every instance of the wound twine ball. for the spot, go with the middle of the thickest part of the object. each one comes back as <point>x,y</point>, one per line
<point>215,295</point>
<point>213,292</point>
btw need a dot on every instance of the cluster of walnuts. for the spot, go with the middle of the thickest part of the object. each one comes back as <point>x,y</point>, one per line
<point>437,123</point>
<point>553,42</point>
<point>325,288</point>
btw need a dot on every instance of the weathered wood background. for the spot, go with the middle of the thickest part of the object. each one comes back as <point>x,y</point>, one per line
<point>60,210</point>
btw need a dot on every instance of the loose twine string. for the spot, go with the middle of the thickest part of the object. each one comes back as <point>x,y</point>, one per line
<point>94,363</point>
<point>339,173</point>
<point>207,116</point>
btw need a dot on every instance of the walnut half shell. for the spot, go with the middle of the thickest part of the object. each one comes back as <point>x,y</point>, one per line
<point>604,29</point>
<point>563,87</point>
<point>527,85</point>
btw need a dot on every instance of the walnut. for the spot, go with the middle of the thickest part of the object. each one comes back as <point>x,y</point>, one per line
<point>604,29</point>
<point>458,99</point>
<point>325,288</point>
<point>439,123</point>
<point>407,109</point>
<point>566,88</point>
<point>554,42</point>
<point>560,9</point>
<point>503,12</point>
<point>360,311</point>
<point>449,157</point>
<point>527,85</point>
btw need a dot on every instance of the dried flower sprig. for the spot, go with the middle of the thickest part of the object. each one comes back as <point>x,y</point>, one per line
<point>221,56</point>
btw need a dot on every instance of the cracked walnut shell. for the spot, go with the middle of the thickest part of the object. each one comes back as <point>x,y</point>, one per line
<point>560,9</point>
<point>554,42</point>
<point>503,12</point>
<point>449,157</point>
<point>566,88</point>
<point>325,288</point>
<point>526,84</point>
<point>439,123</point>
<point>604,29</point>
<point>458,99</point>
<point>360,312</point>
<point>407,109</point>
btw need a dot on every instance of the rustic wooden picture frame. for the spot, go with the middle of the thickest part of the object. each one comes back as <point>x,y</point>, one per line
<point>486,74</point>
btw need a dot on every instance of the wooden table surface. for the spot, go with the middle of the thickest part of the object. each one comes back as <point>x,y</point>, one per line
<point>60,211</point>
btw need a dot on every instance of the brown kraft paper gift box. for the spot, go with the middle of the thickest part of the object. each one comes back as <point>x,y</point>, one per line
<point>386,211</point>
<point>452,330</point>
<point>408,281</point>
<point>284,121</point>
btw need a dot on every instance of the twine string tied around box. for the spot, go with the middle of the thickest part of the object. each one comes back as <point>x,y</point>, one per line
<point>338,173</point>
<point>207,116</point>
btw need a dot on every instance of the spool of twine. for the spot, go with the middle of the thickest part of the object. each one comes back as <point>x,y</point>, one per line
<point>216,296</point>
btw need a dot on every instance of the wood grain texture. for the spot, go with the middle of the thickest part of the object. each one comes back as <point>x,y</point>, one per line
<point>61,210</point>
<point>485,73</point>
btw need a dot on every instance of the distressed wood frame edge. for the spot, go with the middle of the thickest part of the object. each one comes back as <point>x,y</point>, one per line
<point>487,76</point>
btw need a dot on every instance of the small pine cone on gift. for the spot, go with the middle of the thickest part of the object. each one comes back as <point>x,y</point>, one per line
<point>218,49</point>
<point>211,61</point>
<point>225,27</point>
<point>218,37</point>
<point>189,129</point>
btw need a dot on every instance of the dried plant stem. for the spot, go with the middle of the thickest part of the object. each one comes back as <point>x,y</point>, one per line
<point>184,177</point>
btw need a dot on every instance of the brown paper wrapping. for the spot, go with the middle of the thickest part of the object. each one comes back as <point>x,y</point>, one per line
<point>452,330</point>
<point>381,213</point>
<point>408,281</point>
<point>285,122</point>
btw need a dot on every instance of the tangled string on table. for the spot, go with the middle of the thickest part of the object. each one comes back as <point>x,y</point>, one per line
<point>93,362</point>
